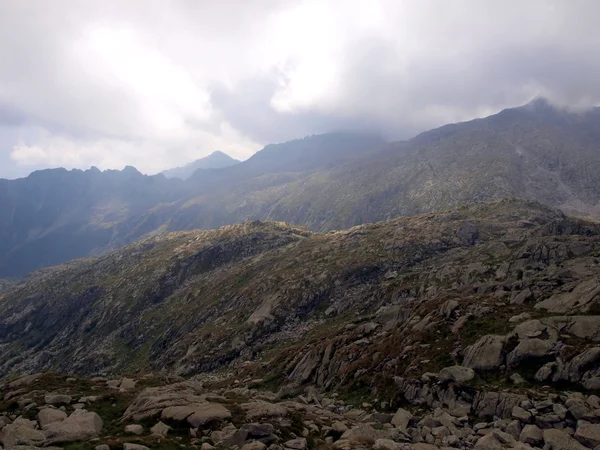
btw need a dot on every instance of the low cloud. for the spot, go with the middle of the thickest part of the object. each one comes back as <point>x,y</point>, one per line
<point>156,84</point>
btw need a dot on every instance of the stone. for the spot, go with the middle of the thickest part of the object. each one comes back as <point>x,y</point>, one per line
<point>260,409</point>
<point>401,419</point>
<point>532,435</point>
<point>520,317</point>
<point>22,422</point>
<point>459,374</point>
<point>545,372</point>
<point>129,446</point>
<point>50,415</point>
<point>127,384</point>
<point>296,444</point>
<point>253,446</point>
<point>559,440</point>
<point>208,412</point>
<point>485,354</point>
<point>588,434</point>
<point>79,426</point>
<point>385,444</point>
<point>102,447</point>
<point>57,399</point>
<point>134,429</point>
<point>160,429</point>
<point>339,427</point>
<point>528,349</point>
<point>517,379</point>
<point>520,414</point>
<point>258,430</point>
<point>13,435</point>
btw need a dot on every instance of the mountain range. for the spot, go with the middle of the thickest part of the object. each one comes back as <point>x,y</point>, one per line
<point>336,292</point>
<point>323,182</point>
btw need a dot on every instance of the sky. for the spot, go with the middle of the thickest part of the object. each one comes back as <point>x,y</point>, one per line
<point>159,83</point>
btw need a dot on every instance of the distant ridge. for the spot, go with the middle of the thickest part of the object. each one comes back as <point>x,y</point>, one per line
<point>216,160</point>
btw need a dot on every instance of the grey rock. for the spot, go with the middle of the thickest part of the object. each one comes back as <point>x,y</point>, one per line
<point>13,435</point>
<point>545,372</point>
<point>134,429</point>
<point>486,353</point>
<point>160,429</point>
<point>296,444</point>
<point>528,349</point>
<point>401,418</point>
<point>79,426</point>
<point>50,415</point>
<point>559,440</point>
<point>588,434</point>
<point>57,399</point>
<point>459,374</point>
<point>532,435</point>
<point>129,446</point>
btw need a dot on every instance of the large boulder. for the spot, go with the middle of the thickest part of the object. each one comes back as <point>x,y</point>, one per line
<point>588,434</point>
<point>13,435</point>
<point>50,415</point>
<point>263,410</point>
<point>57,399</point>
<point>401,419</point>
<point>79,426</point>
<point>528,349</point>
<point>152,401</point>
<point>486,354</point>
<point>532,435</point>
<point>207,412</point>
<point>459,374</point>
<point>559,440</point>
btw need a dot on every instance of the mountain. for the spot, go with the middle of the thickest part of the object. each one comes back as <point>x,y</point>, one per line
<point>324,182</point>
<point>216,160</point>
<point>56,215</point>
<point>349,308</point>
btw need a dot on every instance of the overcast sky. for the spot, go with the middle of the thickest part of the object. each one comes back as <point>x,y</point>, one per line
<point>158,83</point>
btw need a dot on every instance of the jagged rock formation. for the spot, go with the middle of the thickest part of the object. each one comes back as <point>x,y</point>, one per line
<point>216,160</point>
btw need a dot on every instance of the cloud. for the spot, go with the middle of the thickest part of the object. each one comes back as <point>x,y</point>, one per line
<point>155,84</point>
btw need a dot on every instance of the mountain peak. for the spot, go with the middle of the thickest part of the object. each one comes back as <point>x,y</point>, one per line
<point>216,160</point>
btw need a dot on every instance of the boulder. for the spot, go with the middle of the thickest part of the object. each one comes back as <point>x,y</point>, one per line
<point>207,412</point>
<point>127,384</point>
<point>79,426</point>
<point>401,419</point>
<point>160,429</point>
<point>152,401</point>
<point>528,349</point>
<point>260,409</point>
<point>559,440</point>
<point>50,415</point>
<point>22,422</point>
<point>520,414</point>
<point>134,429</point>
<point>532,435</point>
<point>296,444</point>
<point>254,446</point>
<point>13,435</point>
<point>486,354</point>
<point>57,399</point>
<point>129,446</point>
<point>459,374</point>
<point>385,444</point>
<point>588,434</point>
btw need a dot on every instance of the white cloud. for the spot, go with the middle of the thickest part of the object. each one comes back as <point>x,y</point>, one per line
<point>153,83</point>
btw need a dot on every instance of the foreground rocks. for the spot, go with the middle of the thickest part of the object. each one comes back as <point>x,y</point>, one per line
<point>437,412</point>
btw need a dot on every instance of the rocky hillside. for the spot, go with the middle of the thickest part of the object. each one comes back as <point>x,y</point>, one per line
<point>475,328</point>
<point>482,286</point>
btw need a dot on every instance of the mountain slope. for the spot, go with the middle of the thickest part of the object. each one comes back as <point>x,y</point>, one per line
<point>280,296</point>
<point>216,160</point>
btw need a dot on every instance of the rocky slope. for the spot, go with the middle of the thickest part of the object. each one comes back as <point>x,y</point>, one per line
<point>475,328</point>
